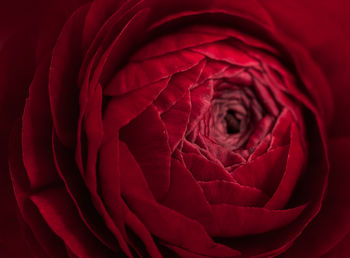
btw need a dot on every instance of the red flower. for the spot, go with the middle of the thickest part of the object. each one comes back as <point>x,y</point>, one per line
<point>177,128</point>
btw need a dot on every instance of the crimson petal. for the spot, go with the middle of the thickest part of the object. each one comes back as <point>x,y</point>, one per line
<point>265,172</point>
<point>182,232</point>
<point>150,148</point>
<point>221,192</point>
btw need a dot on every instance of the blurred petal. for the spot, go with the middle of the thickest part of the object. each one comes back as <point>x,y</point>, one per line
<point>16,57</point>
<point>63,88</point>
<point>341,250</point>
<point>333,222</point>
<point>37,227</point>
<point>57,210</point>
<point>36,132</point>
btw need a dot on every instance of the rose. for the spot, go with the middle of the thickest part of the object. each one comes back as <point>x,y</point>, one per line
<point>52,199</point>
<point>152,129</point>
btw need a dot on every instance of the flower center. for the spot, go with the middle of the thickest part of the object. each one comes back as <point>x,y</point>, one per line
<point>234,113</point>
<point>232,122</point>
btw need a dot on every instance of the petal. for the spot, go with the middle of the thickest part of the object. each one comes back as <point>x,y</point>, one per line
<point>222,7</point>
<point>265,172</point>
<point>183,185</point>
<point>341,250</point>
<point>281,132</point>
<point>136,75</point>
<point>112,56</point>
<point>36,228</point>
<point>36,132</point>
<point>107,197</point>
<point>239,221</point>
<point>147,140</point>
<point>224,51</point>
<point>61,215</point>
<point>218,152</point>
<point>38,153</point>
<point>176,119</point>
<point>63,89</point>
<point>182,232</point>
<point>121,110</point>
<point>294,167</point>
<point>223,192</point>
<point>98,13</point>
<point>332,223</point>
<point>93,126</point>
<point>328,49</point>
<point>179,40</point>
<point>204,170</point>
<point>79,193</point>
<point>98,47</point>
<point>213,68</point>
<point>178,85</point>
<point>142,232</point>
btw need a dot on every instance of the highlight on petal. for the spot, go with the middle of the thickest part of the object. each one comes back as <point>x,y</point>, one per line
<point>331,225</point>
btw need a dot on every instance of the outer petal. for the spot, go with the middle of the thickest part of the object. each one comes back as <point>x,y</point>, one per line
<point>15,58</point>
<point>325,35</point>
<point>332,224</point>
<point>342,250</point>
<point>63,88</point>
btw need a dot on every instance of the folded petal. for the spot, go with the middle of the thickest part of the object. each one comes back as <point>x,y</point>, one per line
<point>62,217</point>
<point>204,170</point>
<point>223,192</point>
<point>265,172</point>
<point>240,221</point>
<point>183,185</point>
<point>147,139</point>
<point>182,232</point>
<point>136,75</point>
<point>63,88</point>
<point>176,119</point>
<point>297,157</point>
